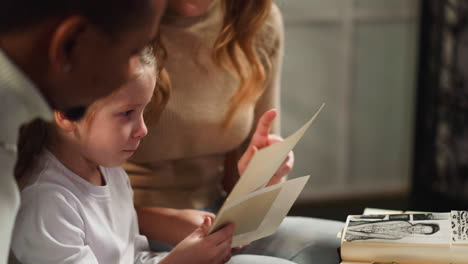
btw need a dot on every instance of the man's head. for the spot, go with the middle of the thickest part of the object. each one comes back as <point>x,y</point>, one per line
<point>76,51</point>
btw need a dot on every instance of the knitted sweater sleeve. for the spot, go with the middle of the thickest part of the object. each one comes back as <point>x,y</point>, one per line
<point>273,37</point>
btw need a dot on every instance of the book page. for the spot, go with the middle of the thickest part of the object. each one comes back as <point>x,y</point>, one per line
<point>429,228</point>
<point>371,211</point>
<point>374,211</point>
<point>427,238</point>
<point>259,213</point>
<point>459,227</point>
<point>265,163</point>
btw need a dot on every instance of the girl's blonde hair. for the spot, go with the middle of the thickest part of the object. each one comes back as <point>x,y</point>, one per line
<point>162,92</point>
<point>33,136</point>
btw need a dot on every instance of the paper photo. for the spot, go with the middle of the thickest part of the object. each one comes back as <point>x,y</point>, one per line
<point>430,228</point>
<point>459,221</point>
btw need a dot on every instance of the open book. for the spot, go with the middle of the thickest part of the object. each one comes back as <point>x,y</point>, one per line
<point>257,210</point>
<point>406,238</point>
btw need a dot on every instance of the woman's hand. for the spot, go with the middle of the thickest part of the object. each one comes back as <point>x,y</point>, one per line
<point>201,248</point>
<point>262,138</point>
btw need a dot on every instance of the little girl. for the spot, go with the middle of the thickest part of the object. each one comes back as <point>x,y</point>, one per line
<point>77,204</point>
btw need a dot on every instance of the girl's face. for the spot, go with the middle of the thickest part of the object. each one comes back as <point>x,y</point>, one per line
<point>189,8</point>
<point>113,132</point>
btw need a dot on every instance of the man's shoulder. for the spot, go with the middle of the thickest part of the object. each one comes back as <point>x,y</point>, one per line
<point>13,114</point>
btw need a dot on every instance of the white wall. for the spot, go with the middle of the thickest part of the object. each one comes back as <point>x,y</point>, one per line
<point>359,57</point>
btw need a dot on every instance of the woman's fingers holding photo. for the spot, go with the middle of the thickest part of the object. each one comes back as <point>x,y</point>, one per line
<point>272,139</point>
<point>245,159</point>
<point>262,132</point>
<point>283,170</point>
<point>262,139</point>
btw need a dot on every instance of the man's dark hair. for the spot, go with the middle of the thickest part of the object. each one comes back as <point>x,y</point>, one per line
<point>111,16</point>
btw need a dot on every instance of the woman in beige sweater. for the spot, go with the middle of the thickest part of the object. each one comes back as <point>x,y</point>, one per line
<point>224,61</point>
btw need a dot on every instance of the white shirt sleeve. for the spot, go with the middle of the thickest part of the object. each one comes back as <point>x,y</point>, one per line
<point>49,229</point>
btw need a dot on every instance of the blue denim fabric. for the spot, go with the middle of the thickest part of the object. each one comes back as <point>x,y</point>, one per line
<point>256,259</point>
<point>299,240</point>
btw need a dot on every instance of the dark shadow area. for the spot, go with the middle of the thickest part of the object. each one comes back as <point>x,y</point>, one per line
<point>340,209</point>
<point>440,176</point>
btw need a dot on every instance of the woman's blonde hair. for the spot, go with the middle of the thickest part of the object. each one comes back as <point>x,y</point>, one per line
<point>240,49</point>
<point>33,136</point>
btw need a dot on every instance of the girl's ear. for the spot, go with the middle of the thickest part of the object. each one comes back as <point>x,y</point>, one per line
<point>63,122</point>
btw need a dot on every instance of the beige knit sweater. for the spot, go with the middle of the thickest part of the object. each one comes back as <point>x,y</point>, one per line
<point>179,164</point>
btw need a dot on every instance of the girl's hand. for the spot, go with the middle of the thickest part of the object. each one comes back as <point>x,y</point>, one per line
<point>173,225</point>
<point>239,248</point>
<point>201,248</point>
<point>262,138</point>
<point>187,220</point>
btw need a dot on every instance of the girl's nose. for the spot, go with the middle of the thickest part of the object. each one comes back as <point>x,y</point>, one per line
<point>141,130</point>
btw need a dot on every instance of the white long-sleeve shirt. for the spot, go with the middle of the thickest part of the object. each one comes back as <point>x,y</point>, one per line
<point>20,102</point>
<point>65,219</point>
